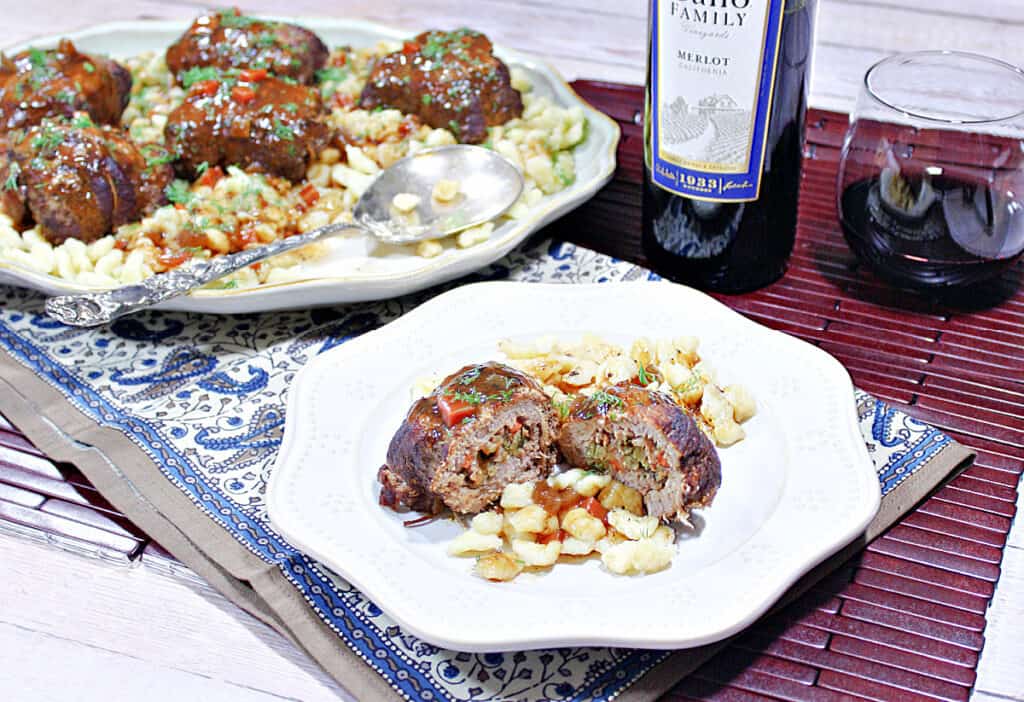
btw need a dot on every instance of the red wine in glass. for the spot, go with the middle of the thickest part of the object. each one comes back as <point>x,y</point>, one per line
<point>941,232</point>
<point>931,176</point>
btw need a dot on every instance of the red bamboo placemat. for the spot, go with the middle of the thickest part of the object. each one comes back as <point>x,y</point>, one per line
<point>905,619</point>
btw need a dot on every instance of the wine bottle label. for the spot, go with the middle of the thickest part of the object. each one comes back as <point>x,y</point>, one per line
<point>712,79</point>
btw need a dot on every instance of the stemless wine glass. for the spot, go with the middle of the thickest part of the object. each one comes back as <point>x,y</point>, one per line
<point>931,178</point>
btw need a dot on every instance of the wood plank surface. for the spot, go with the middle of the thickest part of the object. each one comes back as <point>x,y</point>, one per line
<point>152,633</point>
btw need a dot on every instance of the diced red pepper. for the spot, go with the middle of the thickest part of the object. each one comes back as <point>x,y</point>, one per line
<point>454,410</point>
<point>309,194</point>
<point>211,176</point>
<point>173,259</point>
<point>595,509</point>
<point>252,75</point>
<point>243,94</point>
<point>342,100</point>
<point>553,536</point>
<point>407,126</point>
<point>410,47</point>
<point>120,244</point>
<point>189,238</point>
<point>205,88</point>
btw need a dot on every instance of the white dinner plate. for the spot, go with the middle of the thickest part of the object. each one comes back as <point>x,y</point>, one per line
<point>798,488</point>
<point>354,270</point>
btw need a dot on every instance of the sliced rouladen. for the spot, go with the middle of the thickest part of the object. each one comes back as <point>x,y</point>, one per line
<point>646,441</point>
<point>484,427</point>
<point>81,181</point>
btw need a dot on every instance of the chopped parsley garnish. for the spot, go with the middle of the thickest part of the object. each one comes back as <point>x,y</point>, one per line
<point>198,73</point>
<point>454,126</point>
<point>379,108</point>
<point>562,407</point>
<point>283,131</point>
<point>290,107</point>
<point>469,376</point>
<point>12,177</point>
<point>89,68</point>
<point>66,96</point>
<point>434,48</point>
<point>202,168</point>
<point>606,399</point>
<point>47,140</point>
<point>692,383</point>
<point>641,373</point>
<point>82,121</point>
<point>37,57</point>
<point>427,99</point>
<point>230,19</point>
<point>156,156</point>
<point>179,192</point>
<point>266,40</point>
<point>333,74</point>
<point>473,397</point>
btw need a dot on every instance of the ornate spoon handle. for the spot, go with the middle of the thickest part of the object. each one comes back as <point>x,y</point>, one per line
<point>93,309</point>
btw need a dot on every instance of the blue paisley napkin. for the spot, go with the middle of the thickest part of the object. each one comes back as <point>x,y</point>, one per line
<point>204,398</point>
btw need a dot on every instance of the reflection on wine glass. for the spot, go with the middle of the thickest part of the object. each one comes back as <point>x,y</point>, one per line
<point>931,178</point>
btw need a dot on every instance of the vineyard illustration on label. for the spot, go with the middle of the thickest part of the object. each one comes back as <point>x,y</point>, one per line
<point>715,131</point>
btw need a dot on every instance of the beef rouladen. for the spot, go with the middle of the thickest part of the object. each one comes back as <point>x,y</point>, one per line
<point>451,80</point>
<point>80,180</point>
<point>229,39</point>
<point>251,119</point>
<point>37,84</point>
<point>646,441</point>
<point>486,426</point>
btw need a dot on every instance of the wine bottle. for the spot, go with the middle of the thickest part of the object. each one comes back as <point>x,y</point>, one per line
<point>724,120</point>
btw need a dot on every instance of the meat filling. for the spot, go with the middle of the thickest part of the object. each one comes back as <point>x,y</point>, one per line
<point>645,441</point>
<point>483,428</point>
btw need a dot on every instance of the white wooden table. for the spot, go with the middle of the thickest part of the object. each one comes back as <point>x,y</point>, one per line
<point>72,628</point>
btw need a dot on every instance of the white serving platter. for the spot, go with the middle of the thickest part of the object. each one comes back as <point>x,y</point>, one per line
<point>797,489</point>
<point>357,268</point>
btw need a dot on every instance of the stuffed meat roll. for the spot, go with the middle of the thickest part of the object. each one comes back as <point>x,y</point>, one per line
<point>646,441</point>
<point>484,427</point>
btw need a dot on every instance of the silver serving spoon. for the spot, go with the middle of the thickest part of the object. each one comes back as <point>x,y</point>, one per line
<point>488,185</point>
